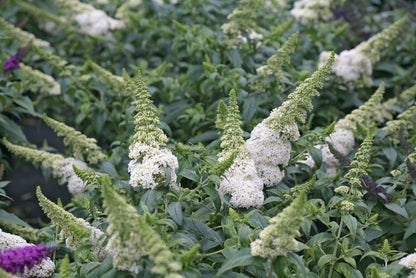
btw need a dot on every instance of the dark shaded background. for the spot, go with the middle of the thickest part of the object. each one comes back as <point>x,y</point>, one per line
<point>25,177</point>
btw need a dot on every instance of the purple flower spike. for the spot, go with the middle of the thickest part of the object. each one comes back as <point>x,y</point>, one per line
<point>12,63</point>
<point>15,260</point>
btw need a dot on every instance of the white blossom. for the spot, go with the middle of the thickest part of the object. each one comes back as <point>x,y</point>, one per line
<point>62,170</point>
<point>96,22</point>
<point>42,269</point>
<point>254,35</point>
<point>264,70</point>
<point>151,166</point>
<point>269,151</point>
<point>409,261</point>
<point>342,140</point>
<point>312,11</point>
<point>243,183</point>
<point>126,253</point>
<point>352,64</point>
<point>324,56</point>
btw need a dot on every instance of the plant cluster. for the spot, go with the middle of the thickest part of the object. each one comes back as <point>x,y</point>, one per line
<point>212,138</point>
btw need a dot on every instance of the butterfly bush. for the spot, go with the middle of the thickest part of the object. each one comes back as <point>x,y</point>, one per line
<point>343,137</point>
<point>269,144</point>
<point>133,238</point>
<point>355,66</point>
<point>240,180</point>
<point>151,164</point>
<point>229,200</point>
<point>69,226</point>
<point>33,259</point>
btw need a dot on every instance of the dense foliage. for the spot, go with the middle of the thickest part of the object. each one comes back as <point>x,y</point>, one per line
<point>212,138</point>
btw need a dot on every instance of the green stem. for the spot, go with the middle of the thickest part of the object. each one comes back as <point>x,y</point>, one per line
<point>334,254</point>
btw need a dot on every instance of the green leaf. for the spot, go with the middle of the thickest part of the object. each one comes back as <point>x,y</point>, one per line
<point>208,237</point>
<point>297,260</point>
<point>11,218</point>
<point>391,155</point>
<point>175,211</point>
<point>105,266</point>
<point>150,199</point>
<point>257,221</point>
<point>190,174</point>
<point>87,268</point>
<point>239,258</point>
<point>397,209</point>
<point>204,137</point>
<point>316,156</point>
<point>347,271</point>
<point>9,127</point>
<point>234,57</point>
<point>214,196</point>
<point>167,222</point>
<point>250,106</point>
<point>320,238</point>
<point>411,229</point>
<point>351,223</point>
<point>26,103</point>
<point>326,259</point>
<point>373,254</point>
<point>350,261</point>
<point>108,168</point>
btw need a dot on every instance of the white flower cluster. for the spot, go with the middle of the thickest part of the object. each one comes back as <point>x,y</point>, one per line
<point>152,166</point>
<point>312,11</point>
<point>409,262</point>
<point>352,64</point>
<point>96,22</point>
<point>243,183</point>
<point>279,246</point>
<point>42,269</point>
<point>126,253</point>
<point>264,70</point>
<point>342,140</point>
<point>269,151</point>
<point>49,84</point>
<point>63,171</point>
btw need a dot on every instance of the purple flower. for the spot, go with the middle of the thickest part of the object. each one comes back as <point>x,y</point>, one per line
<point>375,191</point>
<point>12,63</point>
<point>16,259</point>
